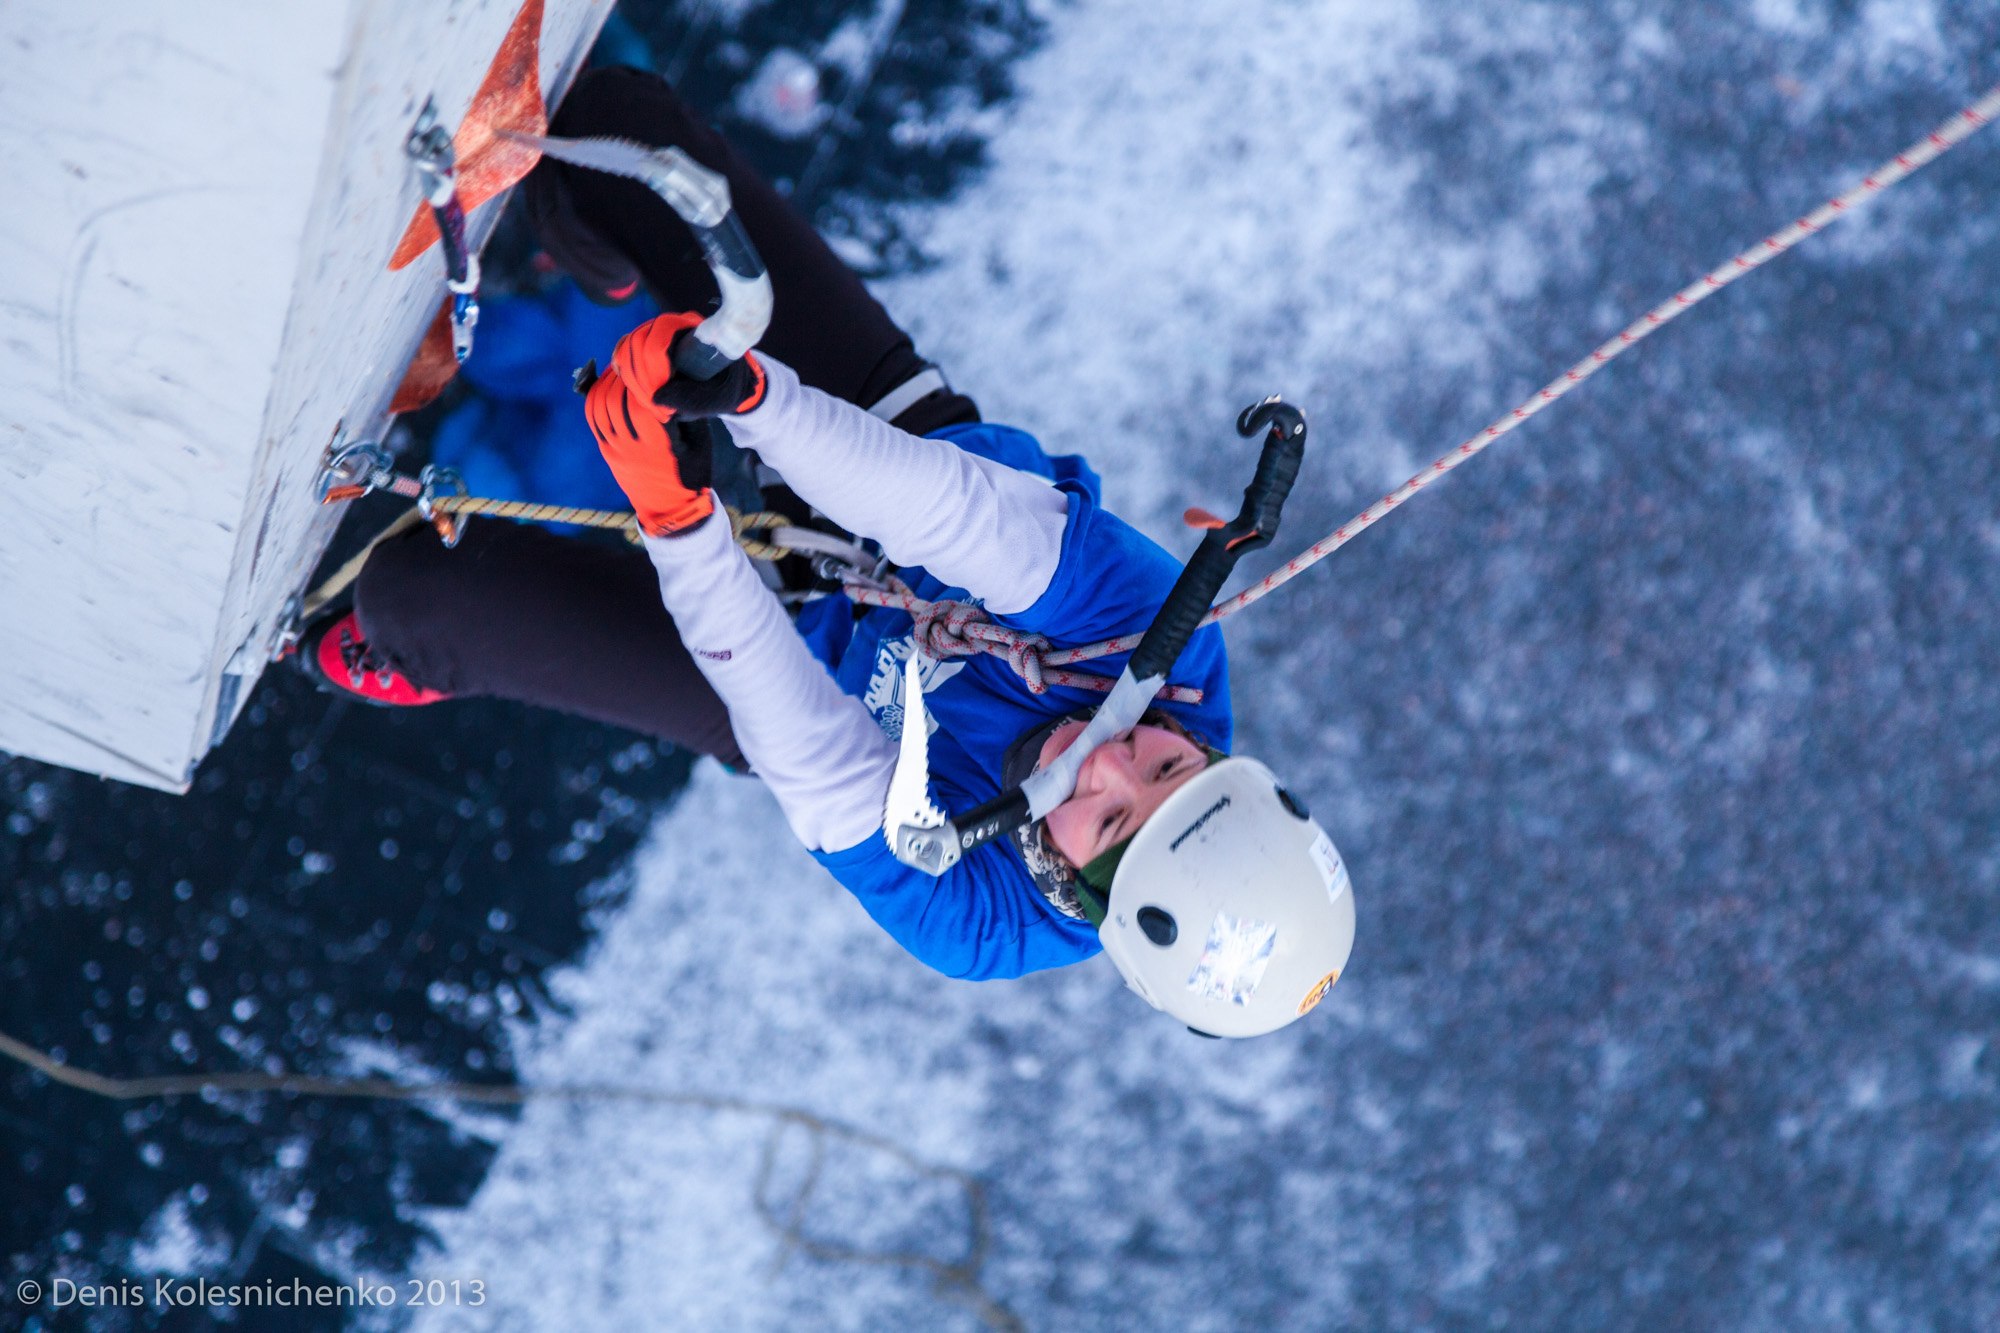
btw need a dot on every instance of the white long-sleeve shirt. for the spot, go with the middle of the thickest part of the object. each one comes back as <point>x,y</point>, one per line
<point>990,529</point>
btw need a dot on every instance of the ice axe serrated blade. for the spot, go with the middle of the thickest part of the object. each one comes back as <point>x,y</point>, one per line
<point>620,157</point>
<point>915,829</point>
<point>698,194</point>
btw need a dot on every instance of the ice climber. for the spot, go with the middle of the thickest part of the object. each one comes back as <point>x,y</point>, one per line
<point>1216,895</point>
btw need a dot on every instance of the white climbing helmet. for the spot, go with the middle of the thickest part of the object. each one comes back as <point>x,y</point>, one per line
<point>1230,909</point>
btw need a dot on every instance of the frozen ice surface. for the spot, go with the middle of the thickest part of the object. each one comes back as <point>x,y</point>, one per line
<point>173,1245</point>
<point>1662,741</point>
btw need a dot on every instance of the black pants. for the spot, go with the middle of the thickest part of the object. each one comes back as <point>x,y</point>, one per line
<point>516,612</point>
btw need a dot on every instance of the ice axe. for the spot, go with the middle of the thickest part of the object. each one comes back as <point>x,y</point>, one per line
<point>925,838</point>
<point>700,196</point>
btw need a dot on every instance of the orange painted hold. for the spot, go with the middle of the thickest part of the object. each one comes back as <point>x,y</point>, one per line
<point>431,368</point>
<point>1201,518</point>
<point>509,98</point>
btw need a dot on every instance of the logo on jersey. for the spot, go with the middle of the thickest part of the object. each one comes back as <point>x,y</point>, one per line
<point>884,698</point>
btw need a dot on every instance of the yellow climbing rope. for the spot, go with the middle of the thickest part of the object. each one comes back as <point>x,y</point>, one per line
<point>445,509</point>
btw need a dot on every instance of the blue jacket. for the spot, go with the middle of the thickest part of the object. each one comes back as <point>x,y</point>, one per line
<point>984,917</point>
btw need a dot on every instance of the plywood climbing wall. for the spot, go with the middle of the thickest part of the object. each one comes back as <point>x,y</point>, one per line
<point>195,295</point>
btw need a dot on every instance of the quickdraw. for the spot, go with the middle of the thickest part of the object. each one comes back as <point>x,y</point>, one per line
<point>436,508</point>
<point>429,147</point>
<point>359,468</point>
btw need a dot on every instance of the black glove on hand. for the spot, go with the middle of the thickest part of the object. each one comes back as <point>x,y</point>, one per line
<point>644,360</point>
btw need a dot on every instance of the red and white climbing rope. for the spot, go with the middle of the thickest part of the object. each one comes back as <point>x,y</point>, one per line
<point>960,629</point>
<point>1926,150</point>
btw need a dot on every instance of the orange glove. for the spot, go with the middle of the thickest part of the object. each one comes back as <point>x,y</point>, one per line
<point>644,359</point>
<point>665,479</point>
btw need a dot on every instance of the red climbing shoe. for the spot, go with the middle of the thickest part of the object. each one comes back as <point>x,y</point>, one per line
<point>336,654</point>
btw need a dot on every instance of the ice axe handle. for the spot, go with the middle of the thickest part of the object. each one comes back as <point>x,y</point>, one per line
<point>1003,814</point>
<point>708,349</point>
<point>699,436</point>
<point>1200,580</point>
<point>696,359</point>
<point>1254,526</point>
<point>731,257</point>
<point>738,270</point>
<point>1193,592</point>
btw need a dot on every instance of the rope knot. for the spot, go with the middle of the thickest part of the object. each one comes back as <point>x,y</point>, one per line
<point>959,629</point>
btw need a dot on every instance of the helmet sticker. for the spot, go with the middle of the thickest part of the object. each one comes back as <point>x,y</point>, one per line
<point>1330,868</point>
<point>1233,959</point>
<point>1318,993</point>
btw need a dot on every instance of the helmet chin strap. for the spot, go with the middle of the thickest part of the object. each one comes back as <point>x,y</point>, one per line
<point>924,838</point>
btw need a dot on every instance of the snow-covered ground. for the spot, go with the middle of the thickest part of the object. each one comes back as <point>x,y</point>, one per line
<point>1662,740</point>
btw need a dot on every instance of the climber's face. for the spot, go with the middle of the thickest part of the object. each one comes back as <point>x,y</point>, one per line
<point>1120,786</point>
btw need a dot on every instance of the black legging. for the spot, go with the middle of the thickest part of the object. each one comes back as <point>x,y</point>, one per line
<point>516,612</point>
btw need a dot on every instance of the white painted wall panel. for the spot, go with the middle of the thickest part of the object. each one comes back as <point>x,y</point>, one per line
<point>193,295</point>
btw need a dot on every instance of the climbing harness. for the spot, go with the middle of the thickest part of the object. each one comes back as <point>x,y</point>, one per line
<point>429,147</point>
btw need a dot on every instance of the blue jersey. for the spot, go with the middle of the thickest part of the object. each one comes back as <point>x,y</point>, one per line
<point>984,917</point>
